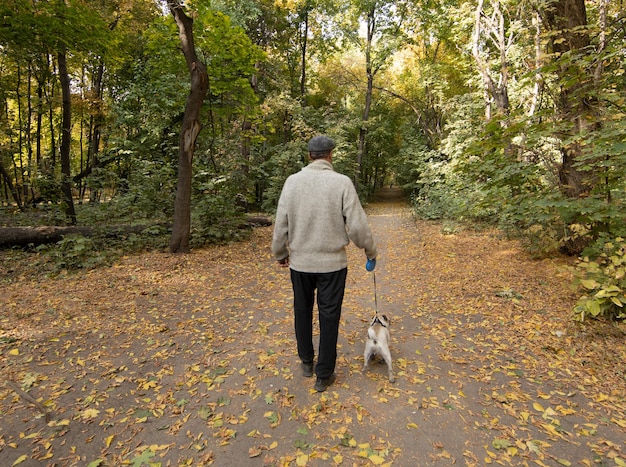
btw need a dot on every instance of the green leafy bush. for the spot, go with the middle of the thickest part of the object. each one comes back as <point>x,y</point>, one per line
<point>216,215</point>
<point>75,252</point>
<point>603,281</point>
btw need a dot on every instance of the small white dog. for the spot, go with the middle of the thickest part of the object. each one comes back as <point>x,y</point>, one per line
<point>378,343</point>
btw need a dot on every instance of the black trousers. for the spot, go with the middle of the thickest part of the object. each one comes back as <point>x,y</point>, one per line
<point>330,291</point>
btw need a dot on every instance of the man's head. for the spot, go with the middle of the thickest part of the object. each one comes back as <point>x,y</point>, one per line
<point>320,147</point>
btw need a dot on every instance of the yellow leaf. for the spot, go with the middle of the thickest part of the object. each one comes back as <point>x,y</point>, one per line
<point>538,407</point>
<point>619,462</point>
<point>20,459</point>
<point>601,398</point>
<point>338,459</point>
<point>15,352</point>
<point>274,445</point>
<point>302,460</point>
<point>159,447</point>
<point>411,425</point>
<point>90,413</point>
<point>108,440</point>
<point>376,459</point>
<point>549,412</point>
<point>620,422</point>
<point>551,429</point>
<point>242,371</point>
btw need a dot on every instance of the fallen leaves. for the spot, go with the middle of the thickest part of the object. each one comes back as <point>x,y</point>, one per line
<point>164,359</point>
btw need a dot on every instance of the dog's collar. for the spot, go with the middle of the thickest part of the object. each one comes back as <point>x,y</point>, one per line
<point>377,320</point>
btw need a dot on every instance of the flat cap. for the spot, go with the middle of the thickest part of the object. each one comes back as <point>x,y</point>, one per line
<point>320,143</point>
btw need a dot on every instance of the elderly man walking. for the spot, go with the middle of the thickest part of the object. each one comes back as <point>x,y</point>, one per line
<point>318,214</point>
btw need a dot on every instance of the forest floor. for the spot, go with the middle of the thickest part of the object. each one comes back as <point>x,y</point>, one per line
<point>167,360</point>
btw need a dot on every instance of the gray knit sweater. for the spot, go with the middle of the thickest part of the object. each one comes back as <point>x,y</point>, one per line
<point>318,213</point>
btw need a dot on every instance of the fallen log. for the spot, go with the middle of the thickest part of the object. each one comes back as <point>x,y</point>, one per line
<point>25,236</point>
<point>29,236</point>
<point>259,221</point>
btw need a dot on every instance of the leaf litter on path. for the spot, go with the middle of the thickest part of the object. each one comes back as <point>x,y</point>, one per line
<point>190,360</point>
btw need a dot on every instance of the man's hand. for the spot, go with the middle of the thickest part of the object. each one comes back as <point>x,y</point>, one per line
<point>284,262</point>
<point>370,265</point>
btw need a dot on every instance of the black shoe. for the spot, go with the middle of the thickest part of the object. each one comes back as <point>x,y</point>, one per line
<point>307,369</point>
<point>322,383</point>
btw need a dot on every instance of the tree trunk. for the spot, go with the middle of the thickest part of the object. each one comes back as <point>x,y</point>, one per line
<point>304,37</point>
<point>50,99</point>
<point>494,28</point>
<point>362,151</point>
<point>11,186</point>
<point>66,134</point>
<point>538,87</point>
<point>95,130</point>
<point>567,21</point>
<point>25,236</point>
<point>191,127</point>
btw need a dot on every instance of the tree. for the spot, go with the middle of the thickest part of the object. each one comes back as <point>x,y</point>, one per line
<point>494,28</point>
<point>383,20</point>
<point>191,127</point>
<point>569,42</point>
<point>66,139</point>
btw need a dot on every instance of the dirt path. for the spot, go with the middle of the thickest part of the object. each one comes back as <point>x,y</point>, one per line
<point>190,360</point>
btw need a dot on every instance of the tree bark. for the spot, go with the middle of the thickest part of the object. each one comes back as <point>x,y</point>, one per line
<point>303,40</point>
<point>567,21</point>
<point>11,186</point>
<point>66,135</point>
<point>494,27</point>
<point>191,127</point>
<point>25,236</point>
<point>370,72</point>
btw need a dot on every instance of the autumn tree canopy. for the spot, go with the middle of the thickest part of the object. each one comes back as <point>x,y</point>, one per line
<point>505,112</point>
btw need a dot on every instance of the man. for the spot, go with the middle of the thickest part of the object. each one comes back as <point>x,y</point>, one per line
<point>318,213</point>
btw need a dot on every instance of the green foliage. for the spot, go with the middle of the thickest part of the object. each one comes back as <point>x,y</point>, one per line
<point>74,252</point>
<point>230,57</point>
<point>602,282</point>
<point>150,197</point>
<point>216,215</point>
<point>284,160</point>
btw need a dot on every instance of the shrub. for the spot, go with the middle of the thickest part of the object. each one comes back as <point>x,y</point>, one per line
<point>603,281</point>
<point>74,252</point>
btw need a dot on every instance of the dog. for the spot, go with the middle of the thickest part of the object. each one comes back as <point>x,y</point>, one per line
<point>378,343</point>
